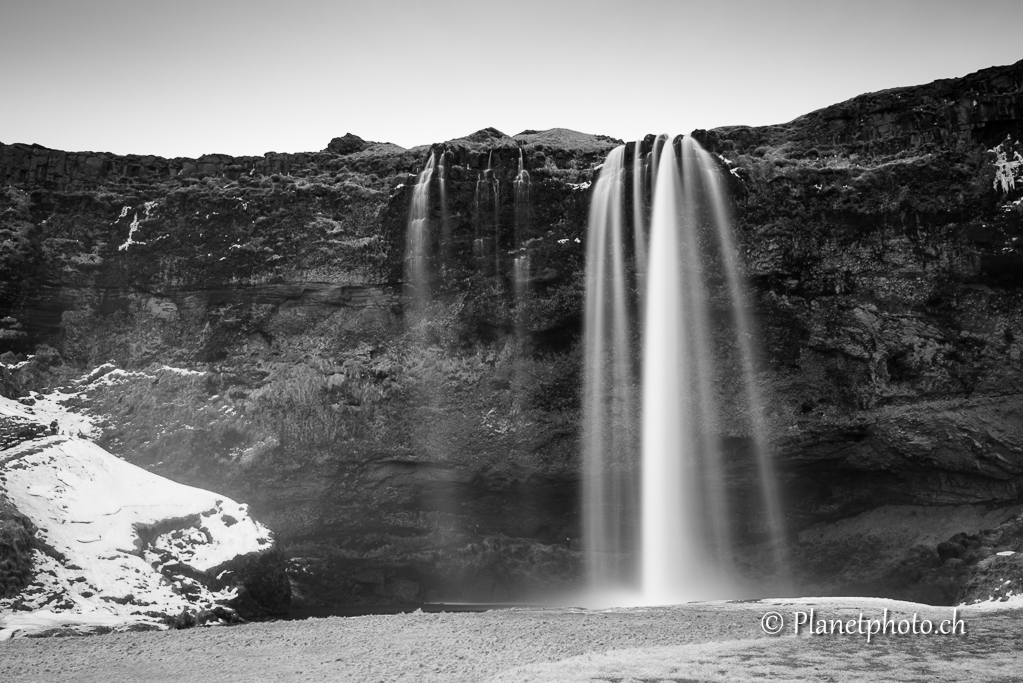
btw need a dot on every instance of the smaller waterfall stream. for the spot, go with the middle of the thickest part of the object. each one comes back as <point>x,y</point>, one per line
<point>521,187</point>
<point>521,282</point>
<point>417,237</point>
<point>520,269</point>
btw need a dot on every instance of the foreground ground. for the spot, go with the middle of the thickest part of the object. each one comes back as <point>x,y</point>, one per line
<point>696,642</point>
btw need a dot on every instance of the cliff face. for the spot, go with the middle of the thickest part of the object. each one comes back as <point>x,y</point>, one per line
<point>396,461</point>
<point>883,237</point>
<point>402,457</point>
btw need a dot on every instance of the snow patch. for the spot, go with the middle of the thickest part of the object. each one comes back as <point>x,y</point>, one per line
<point>47,409</point>
<point>1011,600</point>
<point>122,544</point>
<point>148,208</point>
<point>182,371</point>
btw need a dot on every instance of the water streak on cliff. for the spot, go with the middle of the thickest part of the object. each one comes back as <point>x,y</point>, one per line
<point>488,202</point>
<point>445,223</point>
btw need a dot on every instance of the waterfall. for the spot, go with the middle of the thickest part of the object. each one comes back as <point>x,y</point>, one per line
<point>429,396</point>
<point>658,515</point>
<point>609,443</point>
<point>417,237</point>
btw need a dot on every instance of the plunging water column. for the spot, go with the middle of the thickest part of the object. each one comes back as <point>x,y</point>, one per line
<point>673,534</point>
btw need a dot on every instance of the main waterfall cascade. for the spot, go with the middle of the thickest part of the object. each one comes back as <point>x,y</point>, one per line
<point>657,513</point>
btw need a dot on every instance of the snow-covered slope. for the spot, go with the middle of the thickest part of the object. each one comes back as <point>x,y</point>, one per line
<point>116,545</point>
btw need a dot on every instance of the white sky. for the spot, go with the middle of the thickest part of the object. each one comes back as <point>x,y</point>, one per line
<point>188,77</point>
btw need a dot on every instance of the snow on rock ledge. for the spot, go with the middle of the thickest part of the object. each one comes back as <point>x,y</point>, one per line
<point>117,545</point>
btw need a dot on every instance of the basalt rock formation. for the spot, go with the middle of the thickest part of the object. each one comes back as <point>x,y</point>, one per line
<point>403,458</point>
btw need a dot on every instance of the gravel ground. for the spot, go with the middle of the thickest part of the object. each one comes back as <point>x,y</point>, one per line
<point>708,641</point>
